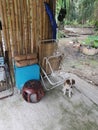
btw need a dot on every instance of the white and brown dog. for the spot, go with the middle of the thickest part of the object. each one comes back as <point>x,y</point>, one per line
<point>67,88</point>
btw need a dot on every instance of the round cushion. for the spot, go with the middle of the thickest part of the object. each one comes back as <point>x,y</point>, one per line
<point>32,91</point>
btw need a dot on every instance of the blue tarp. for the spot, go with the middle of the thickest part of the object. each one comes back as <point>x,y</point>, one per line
<point>52,19</point>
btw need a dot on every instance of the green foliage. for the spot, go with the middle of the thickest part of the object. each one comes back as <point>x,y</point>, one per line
<point>96,25</point>
<point>95,13</point>
<point>91,41</point>
<point>86,8</point>
<point>80,11</point>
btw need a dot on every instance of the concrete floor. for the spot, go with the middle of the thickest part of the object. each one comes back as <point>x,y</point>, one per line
<point>54,112</point>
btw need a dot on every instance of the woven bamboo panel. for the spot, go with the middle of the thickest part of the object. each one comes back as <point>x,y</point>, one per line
<point>55,64</point>
<point>46,49</point>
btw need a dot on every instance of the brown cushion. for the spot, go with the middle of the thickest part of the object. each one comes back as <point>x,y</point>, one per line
<point>32,56</point>
<point>26,62</point>
<point>20,57</point>
<point>25,57</point>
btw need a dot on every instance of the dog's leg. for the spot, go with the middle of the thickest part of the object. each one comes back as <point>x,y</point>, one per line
<point>70,93</point>
<point>64,91</point>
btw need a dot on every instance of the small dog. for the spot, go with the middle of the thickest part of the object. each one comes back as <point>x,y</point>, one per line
<point>67,88</point>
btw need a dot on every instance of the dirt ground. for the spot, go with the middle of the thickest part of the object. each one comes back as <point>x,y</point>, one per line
<point>74,60</point>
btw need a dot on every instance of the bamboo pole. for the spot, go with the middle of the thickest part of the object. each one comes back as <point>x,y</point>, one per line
<point>39,19</point>
<point>29,38</point>
<point>44,20</point>
<point>3,25</point>
<point>31,34</point>
<point>5,17</point>
<point>11,34</point>
<point>10,30</point>
<point>5,4</point>
<point>50,33</point>
<point>21,26</point>
<point>41,27</point>
<point>47,24</point>
<point>24,26</point>
<point>37,26</point>
<point>34,25</point>
<point>27,27</point>
<point>22,11</point>
<point>14,44</point>
<point>17,25</point>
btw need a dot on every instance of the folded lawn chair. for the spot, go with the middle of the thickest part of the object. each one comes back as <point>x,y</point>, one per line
<point>52,76</point>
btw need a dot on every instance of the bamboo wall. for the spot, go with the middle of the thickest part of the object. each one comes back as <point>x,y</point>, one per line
<point>24,23</point>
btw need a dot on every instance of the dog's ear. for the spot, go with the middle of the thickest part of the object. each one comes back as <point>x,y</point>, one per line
<point>73,81</point>
<point>68,82</point>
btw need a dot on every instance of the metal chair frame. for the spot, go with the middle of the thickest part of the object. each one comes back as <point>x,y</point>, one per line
<point>55,78</point>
